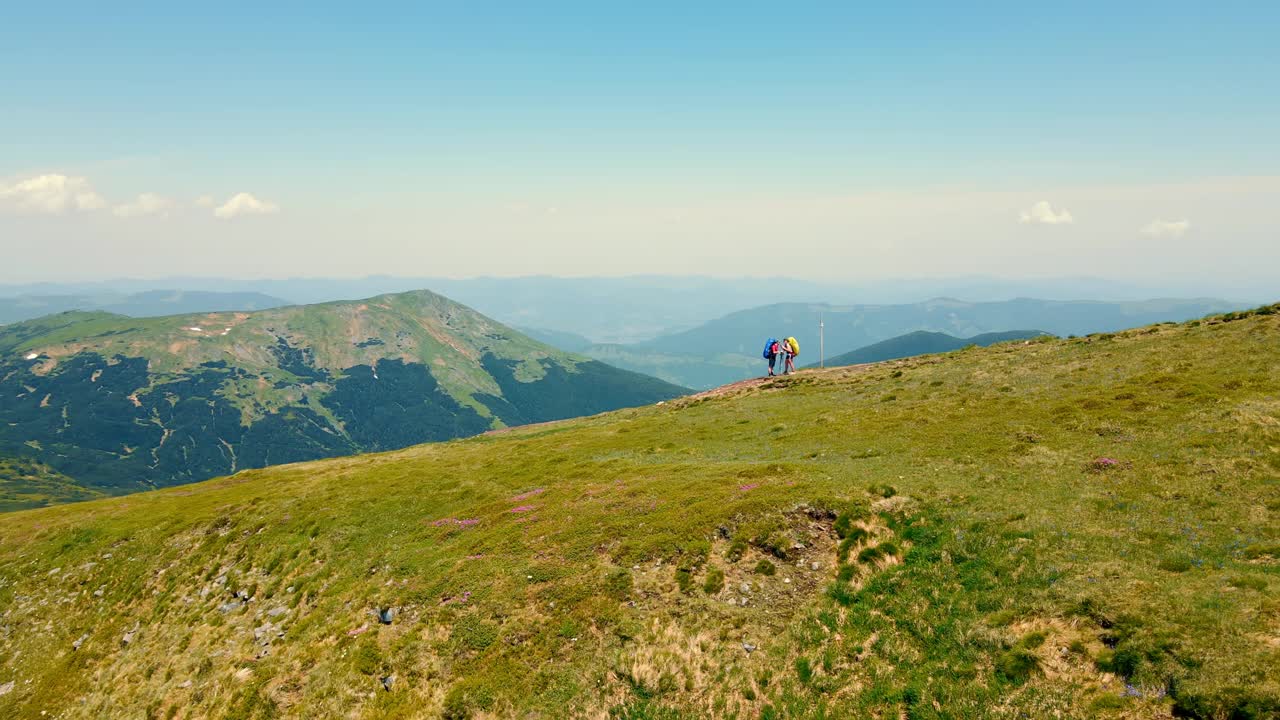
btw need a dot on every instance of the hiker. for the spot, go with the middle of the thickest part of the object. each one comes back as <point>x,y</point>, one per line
<point>772,348</point>
<point>792,349</point>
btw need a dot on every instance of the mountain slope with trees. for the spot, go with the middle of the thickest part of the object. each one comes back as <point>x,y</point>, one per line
<point>122,404</point>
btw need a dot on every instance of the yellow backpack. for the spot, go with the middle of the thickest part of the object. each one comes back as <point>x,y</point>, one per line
<point>795,346</point>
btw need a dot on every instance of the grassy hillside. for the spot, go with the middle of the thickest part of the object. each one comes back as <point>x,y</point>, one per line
<point>1072,528</point>
<point>923,343</point>
<point>120,404</point>
<point>728,349</point>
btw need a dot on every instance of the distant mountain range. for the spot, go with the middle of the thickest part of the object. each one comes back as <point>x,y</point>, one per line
<point>921,342</point>
<point>728,349</point>
<point>106,404</point>
<point>576,314</point>
<point>150,303</point>
<point>634,308</point>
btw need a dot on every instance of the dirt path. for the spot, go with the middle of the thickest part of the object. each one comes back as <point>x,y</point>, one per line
<point>731,388</point>
<point>768,381</point>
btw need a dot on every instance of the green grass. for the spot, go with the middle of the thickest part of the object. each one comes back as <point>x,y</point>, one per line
<point>1016,574</point>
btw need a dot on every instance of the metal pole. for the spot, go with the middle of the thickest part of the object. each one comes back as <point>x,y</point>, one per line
<point>822,341</point>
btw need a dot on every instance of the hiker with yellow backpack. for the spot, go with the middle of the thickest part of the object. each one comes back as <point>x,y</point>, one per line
<point>792,349</point>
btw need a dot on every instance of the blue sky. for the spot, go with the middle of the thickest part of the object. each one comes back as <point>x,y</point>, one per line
<point>392,110</point>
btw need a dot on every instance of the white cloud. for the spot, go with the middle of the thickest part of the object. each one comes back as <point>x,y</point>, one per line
<point>1166,228</point>
<point>145,204</point>
<point>1042,213</point>
<point>245,204</point>
<point>205,201</point>
<point>53,193</point>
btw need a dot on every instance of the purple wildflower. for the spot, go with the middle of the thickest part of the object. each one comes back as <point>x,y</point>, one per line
<point>521,509</point>
<point>455,521</point>
<point>1102,464</point>
<point>462,599</point>
<point>749,486</point>
<point>531,493</point>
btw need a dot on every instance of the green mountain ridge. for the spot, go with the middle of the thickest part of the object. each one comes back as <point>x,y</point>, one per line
<point>1067,528</point>
<point>120,404</point>
<point>922,342</point>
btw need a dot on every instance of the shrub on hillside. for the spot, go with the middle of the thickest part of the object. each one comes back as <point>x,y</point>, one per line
<point>684,580</point>
<point>855,511</point>
<point>366,659</point>
<point>1176,564</point>
<point>714,582</point>
<point>1233,701</point>
<point>252,702</point>
<point>854,537</point>
<point>774,544</point>
<point>465,697</point>
<point>841,593</point>
<point>696,553</point>
<point>1260,550</point>
<point>843,525</point>
<point>1016,664</point>
<point>875,552</point>
<point>1250,583</point>
<point>1133,645</point>
<point>472,633</point>
<point>804,671</point>
<point>618,583</point>
<point>883,490</point>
